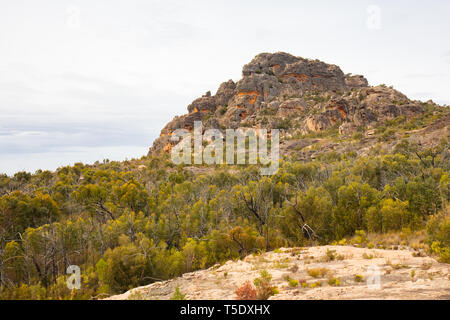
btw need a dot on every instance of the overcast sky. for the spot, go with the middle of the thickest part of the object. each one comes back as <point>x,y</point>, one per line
<point>88,80</point>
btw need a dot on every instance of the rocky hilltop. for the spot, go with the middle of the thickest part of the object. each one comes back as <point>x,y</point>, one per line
<point>306,100</point>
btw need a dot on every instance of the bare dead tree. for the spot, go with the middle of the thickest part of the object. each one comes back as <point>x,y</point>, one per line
<point>306,229</point>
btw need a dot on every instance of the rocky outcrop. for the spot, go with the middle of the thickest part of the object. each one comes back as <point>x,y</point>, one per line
<point>356,81</point>
<point>309,95</point>
<point>402,274</point>
<point>302,74</point>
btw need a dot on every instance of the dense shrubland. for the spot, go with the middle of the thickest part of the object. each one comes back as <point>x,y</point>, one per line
<point>131,223</point>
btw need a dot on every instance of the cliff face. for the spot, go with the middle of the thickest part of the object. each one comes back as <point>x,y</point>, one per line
<point>298,96</point>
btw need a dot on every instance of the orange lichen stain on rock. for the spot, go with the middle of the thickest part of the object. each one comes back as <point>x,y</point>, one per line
<point>204,111</point>
<point>167,147</point>
<point>339,108</point>
<point>252,100</point>
<point>248,93</point>
<point>168,133</point>
<point>342,111</point>
<point>240,106</point>
<point>298,77</point>
<point>251,96</point>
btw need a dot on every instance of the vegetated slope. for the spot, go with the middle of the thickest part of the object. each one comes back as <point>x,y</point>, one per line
<point>325,272</point>
<point>355,159</point>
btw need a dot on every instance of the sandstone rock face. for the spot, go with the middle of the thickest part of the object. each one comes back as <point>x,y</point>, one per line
<point>356,81</point>
<point>291,107</point>
<point>204,104</point>
<point>225,92</point>
<point>300,95</point>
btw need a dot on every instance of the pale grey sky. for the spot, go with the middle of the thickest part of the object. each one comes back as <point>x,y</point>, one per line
<point>88,80</point>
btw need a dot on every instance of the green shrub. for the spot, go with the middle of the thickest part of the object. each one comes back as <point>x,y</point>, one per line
<point>388,134</point>
<point>293,283</point>
<point>358,278</point>
<point>334,282</point>
<point>360,237</point>
<point>438,235</point>
<point>317,272</point>
<point>222,110</point>
<point>367,256</point>
<point>357,136</point>
<point>331,255</point>
<point>177,295</point>
<point>263,284</point>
